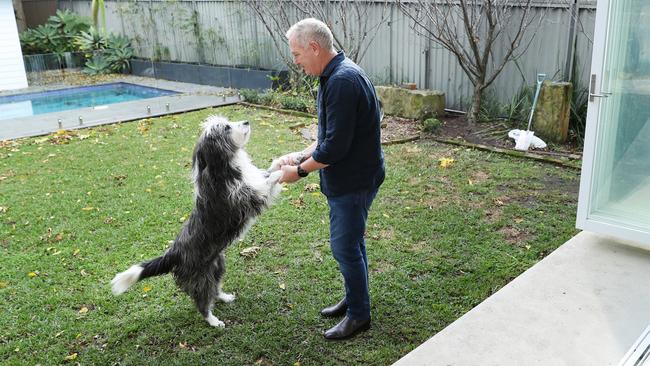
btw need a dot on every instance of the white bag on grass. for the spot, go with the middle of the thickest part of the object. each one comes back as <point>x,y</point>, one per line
<point>525,139</point>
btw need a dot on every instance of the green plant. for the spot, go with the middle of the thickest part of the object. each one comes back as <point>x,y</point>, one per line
<point>98,64</point>
<point>29,42</point>
<point>250,95</point>
<point>490,109</point>
<point>90,41</point>
<point>55,36</point>
<point>98,6</point>
<point>118,52</point>
<point>294,102</point>
<point>69,23</point>
<point>119,59</point>
<point>431,125</point>
<point>518,109</point>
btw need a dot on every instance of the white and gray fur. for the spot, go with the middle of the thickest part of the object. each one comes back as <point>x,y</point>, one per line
<point>230,192</point>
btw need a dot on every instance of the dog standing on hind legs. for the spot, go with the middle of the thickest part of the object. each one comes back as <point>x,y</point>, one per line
<point>230,192</point>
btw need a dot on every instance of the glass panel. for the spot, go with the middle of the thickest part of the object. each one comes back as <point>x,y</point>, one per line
<point>621,190</point>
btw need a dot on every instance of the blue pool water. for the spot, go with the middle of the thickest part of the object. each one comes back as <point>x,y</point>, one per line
<point>30,104</point>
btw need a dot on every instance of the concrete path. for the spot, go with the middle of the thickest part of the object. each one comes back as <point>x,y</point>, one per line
<point>584,304</point>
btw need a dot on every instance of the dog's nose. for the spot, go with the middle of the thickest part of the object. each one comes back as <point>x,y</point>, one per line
<point>245,123</point>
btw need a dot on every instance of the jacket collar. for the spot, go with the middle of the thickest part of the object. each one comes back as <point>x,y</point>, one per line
<point>334,62</point>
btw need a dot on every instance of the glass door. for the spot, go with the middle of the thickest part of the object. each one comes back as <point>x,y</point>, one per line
<point>615,182</point>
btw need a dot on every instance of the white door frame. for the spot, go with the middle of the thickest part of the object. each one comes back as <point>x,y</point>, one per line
<point>635,236</point>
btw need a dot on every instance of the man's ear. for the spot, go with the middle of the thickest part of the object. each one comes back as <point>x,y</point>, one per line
<point>315,47</point>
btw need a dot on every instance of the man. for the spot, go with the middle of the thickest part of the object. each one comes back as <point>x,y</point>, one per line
<point>349,159</point>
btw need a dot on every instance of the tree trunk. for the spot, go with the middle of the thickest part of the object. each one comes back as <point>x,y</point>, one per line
<point>20,15</point>
<point>475,108</point>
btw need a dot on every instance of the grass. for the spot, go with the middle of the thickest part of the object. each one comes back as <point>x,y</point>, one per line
<point>76,208</point>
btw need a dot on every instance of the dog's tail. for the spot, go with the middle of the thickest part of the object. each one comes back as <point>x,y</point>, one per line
<point>155,267</point>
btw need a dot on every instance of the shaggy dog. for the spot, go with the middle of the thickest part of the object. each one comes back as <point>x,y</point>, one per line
<point>230,192</point>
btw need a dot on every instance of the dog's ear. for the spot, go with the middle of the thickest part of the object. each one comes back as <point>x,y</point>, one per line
<point>198,159</point>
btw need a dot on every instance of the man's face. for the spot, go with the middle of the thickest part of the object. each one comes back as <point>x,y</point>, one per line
<point>306,57</point>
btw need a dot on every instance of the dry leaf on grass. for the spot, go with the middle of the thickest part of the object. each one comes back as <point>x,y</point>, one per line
<point>445,162</point>
<point>250,252</point>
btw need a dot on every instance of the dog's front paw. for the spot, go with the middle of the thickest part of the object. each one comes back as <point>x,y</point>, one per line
<point>275,166</point>
<point>274,177</point>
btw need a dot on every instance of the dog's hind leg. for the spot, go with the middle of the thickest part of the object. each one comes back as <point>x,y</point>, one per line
<point>203,296</point>
<point>218,272</point>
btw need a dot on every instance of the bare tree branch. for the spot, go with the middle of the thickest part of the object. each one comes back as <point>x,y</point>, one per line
<point>352,27</point>
<point>472,29</point>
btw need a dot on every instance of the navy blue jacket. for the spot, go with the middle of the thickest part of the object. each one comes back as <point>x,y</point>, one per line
<point>348,130</point>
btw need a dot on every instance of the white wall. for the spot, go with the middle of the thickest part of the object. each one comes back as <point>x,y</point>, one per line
<point>12,69</point>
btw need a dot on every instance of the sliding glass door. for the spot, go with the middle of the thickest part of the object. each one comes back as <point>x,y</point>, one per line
<point>615,181</point>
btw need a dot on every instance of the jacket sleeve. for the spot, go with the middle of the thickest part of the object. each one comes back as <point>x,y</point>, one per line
<point>341,98</point>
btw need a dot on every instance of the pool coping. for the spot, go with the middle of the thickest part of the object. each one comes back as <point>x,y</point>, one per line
<point>191,97</point>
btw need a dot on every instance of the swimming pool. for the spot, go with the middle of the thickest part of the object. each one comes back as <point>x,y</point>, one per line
<point>30,104</point>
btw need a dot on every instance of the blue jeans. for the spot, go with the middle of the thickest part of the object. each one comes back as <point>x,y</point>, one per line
<point>348,216</point>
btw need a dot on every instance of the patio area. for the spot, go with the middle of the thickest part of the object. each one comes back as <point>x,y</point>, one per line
<point>584,304</point>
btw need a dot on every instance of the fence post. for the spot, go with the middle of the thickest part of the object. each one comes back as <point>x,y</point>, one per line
<point>573,34</point>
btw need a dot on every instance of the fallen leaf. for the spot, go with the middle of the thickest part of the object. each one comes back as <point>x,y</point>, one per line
<point>182,219</point>
<point>385,215</point>
<point>283,286</point>
<point>32,274</point>
<point>445,162</point>
<point>76,251</point>
<point>83,310</point>
<point>88,208</point>
<point>312,187</point>
<point>71,357</point>
<point>146,288</point>
<point>518,220</point>
<point>4,284</point>
<point>250,252</point>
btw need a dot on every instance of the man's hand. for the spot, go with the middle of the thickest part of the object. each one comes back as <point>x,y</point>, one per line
<point>293,158</point>
<point>289,174</point>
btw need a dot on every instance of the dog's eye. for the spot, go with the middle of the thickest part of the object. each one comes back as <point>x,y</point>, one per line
<point>228,127</point>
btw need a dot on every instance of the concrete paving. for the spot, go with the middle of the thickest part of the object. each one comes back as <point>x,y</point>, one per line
<point>584,304</point>
<point>192,97</point>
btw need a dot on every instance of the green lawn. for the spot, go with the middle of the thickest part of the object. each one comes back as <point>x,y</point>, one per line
<point>75,210</point>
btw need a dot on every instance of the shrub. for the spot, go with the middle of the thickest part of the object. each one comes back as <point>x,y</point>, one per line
<point>431,125</point>
<point>55,36</point>
<point>250,95</point>
<point>118,53</point>
<point>296,103</point>
<point>98,64</point>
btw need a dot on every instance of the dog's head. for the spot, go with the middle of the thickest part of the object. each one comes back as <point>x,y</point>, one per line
<point>218,144</point>
<point>234,135</point>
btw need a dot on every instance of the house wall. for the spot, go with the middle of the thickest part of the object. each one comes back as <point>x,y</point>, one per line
<point>12,69</point>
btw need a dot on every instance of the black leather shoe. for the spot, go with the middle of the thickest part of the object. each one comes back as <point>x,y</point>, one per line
<point>347,328</point>
<point>337,309</point>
